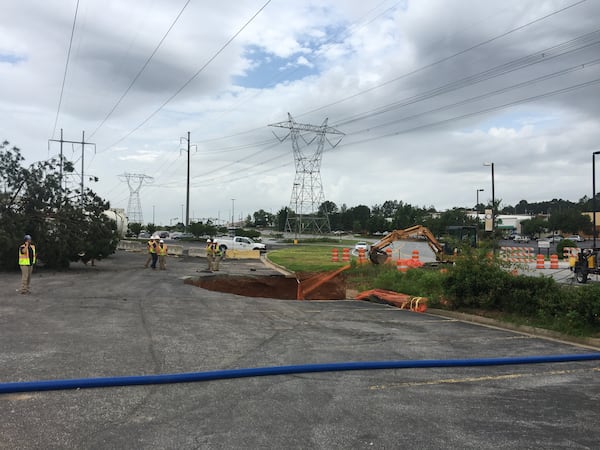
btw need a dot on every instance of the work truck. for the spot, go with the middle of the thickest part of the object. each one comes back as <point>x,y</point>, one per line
<point>239,243</point>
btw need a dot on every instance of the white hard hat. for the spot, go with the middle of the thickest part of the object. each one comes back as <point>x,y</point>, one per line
<point>208,240</point>
<point>161,241</point>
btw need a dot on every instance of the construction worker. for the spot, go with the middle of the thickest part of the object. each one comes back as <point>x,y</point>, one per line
<point>27,259</point>
<point>151,248</point>
<point>154,254</point>
<point>161,250</point>
<point>217,255</point>
<point>210,256</point>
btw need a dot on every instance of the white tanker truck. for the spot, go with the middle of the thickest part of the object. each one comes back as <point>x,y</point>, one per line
<point>118,215</point>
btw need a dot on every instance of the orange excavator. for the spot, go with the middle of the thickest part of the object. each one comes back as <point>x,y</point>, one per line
<point>443,253</point>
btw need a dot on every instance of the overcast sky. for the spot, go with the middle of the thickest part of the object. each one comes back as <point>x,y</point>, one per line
<point>424,91</point>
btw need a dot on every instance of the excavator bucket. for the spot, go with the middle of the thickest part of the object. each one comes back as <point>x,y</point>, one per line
<point>378,256</point>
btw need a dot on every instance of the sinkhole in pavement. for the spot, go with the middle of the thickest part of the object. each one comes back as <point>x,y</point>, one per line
<point>306,286</point>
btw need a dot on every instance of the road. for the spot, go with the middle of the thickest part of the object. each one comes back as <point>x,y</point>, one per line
<point>119,319</point>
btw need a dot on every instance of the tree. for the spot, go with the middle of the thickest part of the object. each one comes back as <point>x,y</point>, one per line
<point>570,221</point>
<point>534,227</point>
<point>263,218</point>
<point>327,208</point>
<point>65,224</point>
<point>281,218</point>
<point>359,218</point>
<point>135,228</point>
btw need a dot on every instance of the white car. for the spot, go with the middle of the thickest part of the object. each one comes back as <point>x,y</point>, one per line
<point>519,238</point>
<point>575,238</point>
<point>361,246</point>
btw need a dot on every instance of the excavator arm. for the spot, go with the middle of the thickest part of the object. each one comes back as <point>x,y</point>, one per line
<point>377,253</point>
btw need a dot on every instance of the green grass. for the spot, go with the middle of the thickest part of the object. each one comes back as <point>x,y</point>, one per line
<point>306,258</point>
<point>473,284</point>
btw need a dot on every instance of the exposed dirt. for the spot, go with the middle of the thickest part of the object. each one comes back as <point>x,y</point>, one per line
<point>275,286</point>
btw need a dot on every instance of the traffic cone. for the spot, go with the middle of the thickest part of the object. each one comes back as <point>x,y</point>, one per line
<point>540,262</point>
<point>335,255</point>
<point>346,255</point>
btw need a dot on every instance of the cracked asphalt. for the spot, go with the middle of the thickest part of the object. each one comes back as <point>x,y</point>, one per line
<point>118,319</point>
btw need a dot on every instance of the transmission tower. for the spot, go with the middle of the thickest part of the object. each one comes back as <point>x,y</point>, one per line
<point>134,207</point>
<point>307,190</point>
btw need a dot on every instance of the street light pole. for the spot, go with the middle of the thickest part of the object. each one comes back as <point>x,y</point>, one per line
<point>477,204</point>
<point>233,214</point>
<point>493,198</point>
<point>594,193</point>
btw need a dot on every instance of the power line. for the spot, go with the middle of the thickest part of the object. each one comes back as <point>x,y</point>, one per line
<point>141,70</point>
<point>193,77</point>
<point>420,69</point>
<point>511,66</point>
<point>405,131</point>
<point>62,89</point>
<point>447,58</point>
<point>486,95</point>
<point>481,111</point>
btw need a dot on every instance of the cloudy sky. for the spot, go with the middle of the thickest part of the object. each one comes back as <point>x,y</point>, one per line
<point>424,91</point>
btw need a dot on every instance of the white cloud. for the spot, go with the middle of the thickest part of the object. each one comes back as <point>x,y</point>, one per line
<point>366,58</point>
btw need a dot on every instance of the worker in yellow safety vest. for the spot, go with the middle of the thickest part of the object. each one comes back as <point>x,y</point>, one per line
<point>27,259</point>
<point>217,255</point>
<point>210,257</point>
<point>151,248</point>
<point>162,254</point>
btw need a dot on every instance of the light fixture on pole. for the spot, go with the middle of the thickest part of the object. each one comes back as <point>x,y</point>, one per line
<point>477,204</point>
<point>493,197</point>
<point>233,214</point>
<point>594,193</point>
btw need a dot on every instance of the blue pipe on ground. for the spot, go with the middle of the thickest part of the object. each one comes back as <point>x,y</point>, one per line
<point>86,383</point>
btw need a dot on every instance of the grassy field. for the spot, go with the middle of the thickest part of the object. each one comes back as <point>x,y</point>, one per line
<point>306,258</point>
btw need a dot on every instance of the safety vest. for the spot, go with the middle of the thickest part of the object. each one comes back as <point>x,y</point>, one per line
<point>151,247</point>
<point>162,249</point>
<point>215,249</point>
<point>24,255</point>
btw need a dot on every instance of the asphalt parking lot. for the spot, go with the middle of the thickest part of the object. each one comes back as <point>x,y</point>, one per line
<point>119,319</point>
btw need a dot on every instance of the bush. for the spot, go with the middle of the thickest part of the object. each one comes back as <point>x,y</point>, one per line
<point>478,282</point>
<point>562,244</point>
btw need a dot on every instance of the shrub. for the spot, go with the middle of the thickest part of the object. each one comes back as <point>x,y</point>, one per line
<point>562,244</point>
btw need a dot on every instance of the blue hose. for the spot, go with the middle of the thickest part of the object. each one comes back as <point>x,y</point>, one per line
<point>86,383</point>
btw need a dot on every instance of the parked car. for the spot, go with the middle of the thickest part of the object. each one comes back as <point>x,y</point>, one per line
<point>519,238</point>
<point>575,238</point>
<point>554,238</point>
<point>182,236</point>
<point>143,235</point>
<point>361,246</point>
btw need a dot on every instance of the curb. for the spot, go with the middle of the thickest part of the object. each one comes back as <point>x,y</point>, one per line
<point>271,265</point>
<point>592,343</point>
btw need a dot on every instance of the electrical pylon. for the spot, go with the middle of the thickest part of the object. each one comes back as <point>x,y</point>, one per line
<point>307,190</point>
<point>134,207</point>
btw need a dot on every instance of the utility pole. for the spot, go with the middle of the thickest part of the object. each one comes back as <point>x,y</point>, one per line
<point>83,144</point>
<point>187,191</point>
